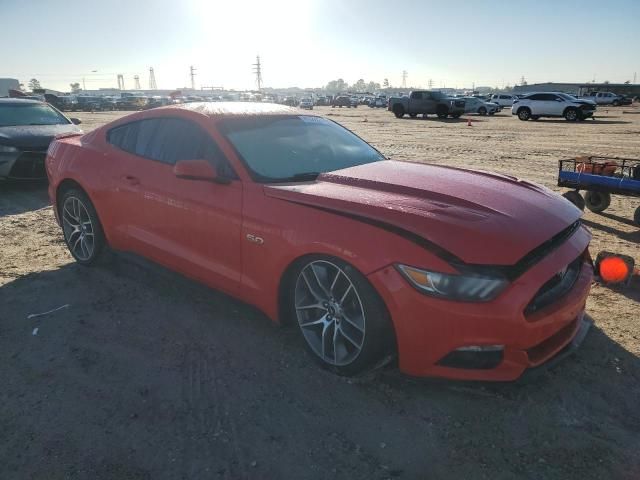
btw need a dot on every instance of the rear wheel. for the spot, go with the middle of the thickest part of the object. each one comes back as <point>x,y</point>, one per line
<point>524,114</point>
<point>574,197</point>
<point>342,319</point>
<point>81,226</point>
<point>597,202</point>
<point>398,111</point>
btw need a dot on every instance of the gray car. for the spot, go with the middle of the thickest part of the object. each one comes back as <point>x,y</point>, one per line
<point>26,129</point>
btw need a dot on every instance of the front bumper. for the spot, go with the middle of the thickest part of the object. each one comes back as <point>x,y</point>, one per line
<point>428,329</point>
<point>23,165</point>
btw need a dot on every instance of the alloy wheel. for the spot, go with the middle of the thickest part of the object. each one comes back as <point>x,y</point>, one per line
<point>330,313</point>
<point>78,228</point>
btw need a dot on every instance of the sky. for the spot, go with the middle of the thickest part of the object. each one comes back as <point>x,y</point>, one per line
<point>307,43</point>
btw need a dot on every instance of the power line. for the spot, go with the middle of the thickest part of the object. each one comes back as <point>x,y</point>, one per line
<point>192,73</point>
<point>152,79</point>
<point>257,69</point>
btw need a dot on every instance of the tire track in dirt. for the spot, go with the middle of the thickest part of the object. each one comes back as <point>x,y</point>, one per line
<point>211,444</point>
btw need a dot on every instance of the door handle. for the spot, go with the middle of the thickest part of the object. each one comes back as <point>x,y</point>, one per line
<point>130,179</point>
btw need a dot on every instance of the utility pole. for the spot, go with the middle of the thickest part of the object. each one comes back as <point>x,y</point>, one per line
<point>634,76</point>
<point>404,78</point>
<point>152,80</point>
<point>120,82</point>
<point>84,87</point>
<point>257,69</point>
<point>430,83</point>
<point>192,73</point>
<point>136,82</point>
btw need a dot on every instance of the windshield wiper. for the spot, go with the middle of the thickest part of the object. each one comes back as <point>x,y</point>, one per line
<point>298,177</point>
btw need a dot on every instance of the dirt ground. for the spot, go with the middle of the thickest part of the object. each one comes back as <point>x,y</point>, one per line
<point>146,375</point>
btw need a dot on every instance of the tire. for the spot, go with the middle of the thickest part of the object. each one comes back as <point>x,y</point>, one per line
<point>571,115</point>
<point>636,216</point>
<point>524,114</point>
<point>413,115</point>
<point>482,111</point>
<point>574,197</point>
<point>398,111</point>
<point>442,112</point>
<point>81,226</point>
<point>597,202</point>
<point>329,299</point>
<point>616,103</point>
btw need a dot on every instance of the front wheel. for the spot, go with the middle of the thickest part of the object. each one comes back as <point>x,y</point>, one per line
<point>342,319</point>
<point>574,197</point>
<point>597,202</point>
<point>442,113</point>
<point>81,226</point>
<point>398,111</point>
<point>571,115</point>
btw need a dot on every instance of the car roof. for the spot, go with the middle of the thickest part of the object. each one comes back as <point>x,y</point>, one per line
<point>18,101</point>
<point>232,109</point>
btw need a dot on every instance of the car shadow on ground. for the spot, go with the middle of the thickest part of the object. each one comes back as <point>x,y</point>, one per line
<point>19,197</point>
<point>585,122</point>
<point>633,236</point>
<point>145,361</point>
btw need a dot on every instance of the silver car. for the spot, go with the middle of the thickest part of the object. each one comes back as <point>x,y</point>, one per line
<point>26,129</point>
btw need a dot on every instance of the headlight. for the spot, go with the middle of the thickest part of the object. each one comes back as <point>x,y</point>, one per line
<point>465,288</point>
<point>5,149</point>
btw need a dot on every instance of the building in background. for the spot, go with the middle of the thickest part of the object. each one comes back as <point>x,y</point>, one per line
<point>7,84</point>
<point>628,89</point>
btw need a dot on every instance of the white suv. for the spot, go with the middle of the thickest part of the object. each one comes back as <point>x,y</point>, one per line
<point>502,99</point>
<point>552,104</point>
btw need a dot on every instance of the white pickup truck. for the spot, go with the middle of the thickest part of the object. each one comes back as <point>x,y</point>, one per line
<point>604,98</point>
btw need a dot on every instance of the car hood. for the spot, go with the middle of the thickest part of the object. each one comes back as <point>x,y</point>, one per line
<point>34,136</point>
<point>481,218</point>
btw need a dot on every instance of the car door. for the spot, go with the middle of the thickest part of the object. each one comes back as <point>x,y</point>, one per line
<point>416,103</point>
<point>536,104</point>
<point>189,225</point>
<point>555,104</point>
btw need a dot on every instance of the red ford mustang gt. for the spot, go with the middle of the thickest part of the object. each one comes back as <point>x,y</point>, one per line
<point>462,274</point>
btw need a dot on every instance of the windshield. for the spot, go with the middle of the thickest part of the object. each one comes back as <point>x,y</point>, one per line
<point>566,96</point>
<point>283,148</point>
<point>14,114</point>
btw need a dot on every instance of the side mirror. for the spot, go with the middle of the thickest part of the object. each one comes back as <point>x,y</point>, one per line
<point>197,170</point>
<point>76,121</point>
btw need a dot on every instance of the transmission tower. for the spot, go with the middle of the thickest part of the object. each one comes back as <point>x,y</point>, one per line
<point>136,82</point>
<point>152,80</point>
<point>120,82</point>
<point>192,73</point>
<point>430,83</point>
<point>257,69</point>
<point>404,79</point>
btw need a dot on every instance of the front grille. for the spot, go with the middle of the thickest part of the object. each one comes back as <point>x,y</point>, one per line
<point>556,287</point>
<point>29,164</point>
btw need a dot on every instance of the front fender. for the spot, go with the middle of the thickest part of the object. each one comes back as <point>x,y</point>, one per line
<point>288,231</point>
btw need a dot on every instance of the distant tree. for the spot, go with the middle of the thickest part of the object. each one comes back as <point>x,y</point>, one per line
<point>336,86</point>
<point>385,83</point>
<point>34,84</point>
<point>372,87</point>
<point>75,87</point>
<point>359,86</point>
<point>606,82</point>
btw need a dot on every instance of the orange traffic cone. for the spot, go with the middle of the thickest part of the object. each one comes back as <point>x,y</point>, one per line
<point>469,122</point>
